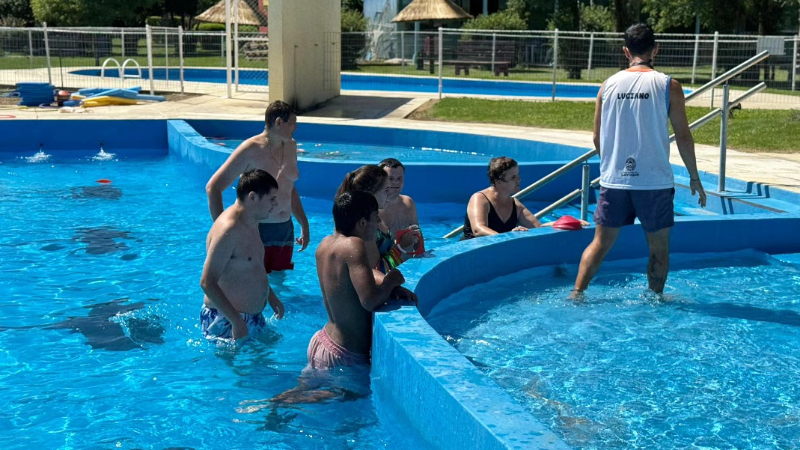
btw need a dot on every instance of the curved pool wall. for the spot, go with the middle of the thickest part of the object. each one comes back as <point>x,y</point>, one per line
<point>417,376</point>
<point>433,182</point>
<point>390,83</point>
<point>440,378</point>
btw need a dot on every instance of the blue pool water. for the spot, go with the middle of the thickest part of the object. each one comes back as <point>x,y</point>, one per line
<point>339,151</point>
<point>378,83</point>
<point>99,339</point>
<point>714,365</point>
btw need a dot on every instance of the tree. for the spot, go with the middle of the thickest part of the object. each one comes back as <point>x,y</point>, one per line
<point>91,12</point>
<point>16,13</point>
<point>725,16</point>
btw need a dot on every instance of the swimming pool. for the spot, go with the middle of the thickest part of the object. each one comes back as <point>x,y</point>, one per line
<point>99,336</point>
<point>392,83</point>
<point>704,367</point>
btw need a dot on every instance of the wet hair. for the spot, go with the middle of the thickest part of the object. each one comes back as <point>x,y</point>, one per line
<point>350,207</point>
<point>275,110</point>
<point>640,39</point>
<point>369,178</point>
<point>255,180</point>
<point>498,167</point>
<point>391,163</point>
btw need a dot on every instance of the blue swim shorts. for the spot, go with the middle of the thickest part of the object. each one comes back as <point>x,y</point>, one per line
<point>216,326</point>
<point>619,207</point>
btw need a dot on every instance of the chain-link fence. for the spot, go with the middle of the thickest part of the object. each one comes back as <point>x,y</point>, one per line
<point>562,64</point>
<point>531,63</point>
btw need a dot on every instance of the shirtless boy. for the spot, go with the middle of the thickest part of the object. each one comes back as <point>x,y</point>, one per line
<point>349,287</point>
<point>275,152</point>
<point>234,280</point>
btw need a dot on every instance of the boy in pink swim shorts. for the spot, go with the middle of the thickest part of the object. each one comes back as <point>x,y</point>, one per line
<point>351,289</point>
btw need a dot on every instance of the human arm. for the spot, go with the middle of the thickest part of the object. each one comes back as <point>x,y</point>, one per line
<point>684,140</point>
<point>371,293</point>
<point>598,114</point>
<point>220,250</point>
<point>526,219</point>
<point>478,213</point>
<point>276,304</point>
<point>299,213</point>
<point>234,166</point>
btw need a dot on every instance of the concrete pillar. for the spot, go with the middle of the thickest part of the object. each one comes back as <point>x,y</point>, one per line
<point>304,51</point>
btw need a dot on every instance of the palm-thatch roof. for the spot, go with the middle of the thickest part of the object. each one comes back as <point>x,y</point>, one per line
<point>247,14</point>
<point>419,10</point>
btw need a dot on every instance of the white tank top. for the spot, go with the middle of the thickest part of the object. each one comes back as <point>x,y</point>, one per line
<point>634,132</point>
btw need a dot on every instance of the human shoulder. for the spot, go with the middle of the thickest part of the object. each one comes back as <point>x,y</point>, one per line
<point>408,202</point>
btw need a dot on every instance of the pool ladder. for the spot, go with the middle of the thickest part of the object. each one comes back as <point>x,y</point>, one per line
<point>121,69</point>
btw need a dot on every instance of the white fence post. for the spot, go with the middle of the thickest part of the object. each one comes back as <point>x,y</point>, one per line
<point>402,50</point>
<point>149,34</point>
<point>794,63</point>
<point>694,59</point>
<point>236,42</point>
<point>555,63</point>
<point>441,36</point>
<point>166,55</point>
<point>47,54</point>
<point>122,42</point>
<point>714,63</point>
<point>494,46</point>
<point>180,53</point>
<point>591,50</point>
<point>30,46</point>
<point>228,62</point>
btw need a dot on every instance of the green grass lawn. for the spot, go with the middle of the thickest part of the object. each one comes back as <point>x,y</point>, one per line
<point>754,130</point>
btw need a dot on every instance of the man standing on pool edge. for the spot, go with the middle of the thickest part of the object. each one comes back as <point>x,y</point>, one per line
<point>636,180</point>
<point>275,152</point>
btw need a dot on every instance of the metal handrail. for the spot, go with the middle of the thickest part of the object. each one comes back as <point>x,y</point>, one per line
<point>727,76</point>
<point>103,69</point>
<point>724,78</point>
<point>138,67</point>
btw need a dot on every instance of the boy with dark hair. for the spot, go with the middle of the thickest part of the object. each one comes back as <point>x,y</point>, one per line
<point>234,280</point>
<point>349,286</point>
<point>400,212</point>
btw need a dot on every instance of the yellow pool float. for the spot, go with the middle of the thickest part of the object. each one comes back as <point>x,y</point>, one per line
<point>106,101</point>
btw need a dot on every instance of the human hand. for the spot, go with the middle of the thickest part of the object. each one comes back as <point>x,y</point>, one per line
<point>239,329</point>
<point>277,306</point>
<point>697,186</point>
<point>520,228</point>
<point>401,293</point>
<point>394,277</point>
<point>303,239</point>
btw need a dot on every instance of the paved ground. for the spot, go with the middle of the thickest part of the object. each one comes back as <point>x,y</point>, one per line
<point>390,109</point>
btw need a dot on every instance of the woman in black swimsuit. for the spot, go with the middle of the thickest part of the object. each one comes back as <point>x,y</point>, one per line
<point>493,210</point>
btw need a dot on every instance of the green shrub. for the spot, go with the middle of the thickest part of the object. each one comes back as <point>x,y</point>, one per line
<point>211,27</point>
<point>503,20</point>
<point>159,21</point>
<point>353,21</point>
<point>352,45</point>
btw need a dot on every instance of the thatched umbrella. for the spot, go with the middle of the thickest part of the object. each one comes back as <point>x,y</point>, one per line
<point>420,10</point>
<point>247,15</point>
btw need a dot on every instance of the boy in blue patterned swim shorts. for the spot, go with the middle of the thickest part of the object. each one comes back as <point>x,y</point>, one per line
<point>234,279</point>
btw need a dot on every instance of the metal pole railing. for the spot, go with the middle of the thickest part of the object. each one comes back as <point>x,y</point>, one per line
<point>555,63</point>
<point>122,43</point>
<point>694,59</point>
<point>723,137</point>
<point>236,42</point>
<point>714,63</point>
<point>47,54</point>
<point>149,34</point>
<point>589,62</point>
<point>166,55</point>
<point>585,188</point>
<point>402,50</point>
<point>794,63</point>
<point>30,46</point>
<point>729,74</point>
<point>228,62</point>
<point>441,36</point>
<point>494,46</point>
<point>180,53</point>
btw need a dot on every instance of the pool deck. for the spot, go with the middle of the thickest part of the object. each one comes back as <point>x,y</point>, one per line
<point>390,110</point>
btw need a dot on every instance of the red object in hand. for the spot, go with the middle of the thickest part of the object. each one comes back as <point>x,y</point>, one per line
<point>103,181</point>
<point>420,246</point>
<point>567,223</point>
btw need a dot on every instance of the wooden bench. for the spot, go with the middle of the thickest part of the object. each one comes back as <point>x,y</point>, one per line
<point>475,53</point>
